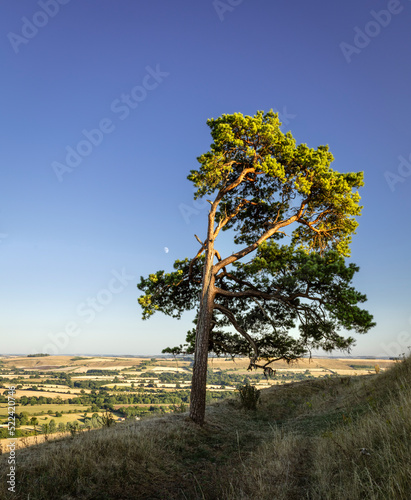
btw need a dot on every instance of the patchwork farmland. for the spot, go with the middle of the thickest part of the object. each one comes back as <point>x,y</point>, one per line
<point>57,395</point>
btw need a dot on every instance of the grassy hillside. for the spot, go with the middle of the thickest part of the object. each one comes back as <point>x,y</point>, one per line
<point>337,438</point>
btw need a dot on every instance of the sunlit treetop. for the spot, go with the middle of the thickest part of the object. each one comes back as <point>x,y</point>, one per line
<point>265,179</point>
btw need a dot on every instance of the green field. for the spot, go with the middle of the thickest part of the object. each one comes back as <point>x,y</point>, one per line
<point>39,409</point>
<point>70,417</point>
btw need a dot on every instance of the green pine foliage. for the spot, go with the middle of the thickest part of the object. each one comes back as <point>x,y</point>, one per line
<point>291,217</point>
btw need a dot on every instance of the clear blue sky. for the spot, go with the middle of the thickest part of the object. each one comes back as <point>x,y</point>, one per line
<point>67,231</point>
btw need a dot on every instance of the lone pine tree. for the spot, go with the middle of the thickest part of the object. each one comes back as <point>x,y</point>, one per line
<point>265,189</point>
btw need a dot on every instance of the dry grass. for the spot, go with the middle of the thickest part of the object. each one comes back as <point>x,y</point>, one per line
<point>370,458</point>
<point>24,442</point>
<point>340,438</point>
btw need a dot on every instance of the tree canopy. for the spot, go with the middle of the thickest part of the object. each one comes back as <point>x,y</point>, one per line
<point>292,216</point>
<point>280,290</point>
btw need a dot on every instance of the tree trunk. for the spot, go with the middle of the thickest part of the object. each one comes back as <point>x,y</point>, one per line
<point>204,321</point>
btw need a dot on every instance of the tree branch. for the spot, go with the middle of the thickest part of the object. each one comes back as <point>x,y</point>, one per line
<point>198,239</point>
<point>238,255</point>
<point>226,219</point>
<point>239,180</point>
<point>190,268</point>
<point>265,313</point>
<point>240,330</point>
<point>250,293</point>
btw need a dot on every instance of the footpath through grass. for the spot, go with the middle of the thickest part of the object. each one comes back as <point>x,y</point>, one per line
<point>338,438</point>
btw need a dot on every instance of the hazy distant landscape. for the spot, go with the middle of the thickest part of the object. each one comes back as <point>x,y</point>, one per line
<point>68,393</point>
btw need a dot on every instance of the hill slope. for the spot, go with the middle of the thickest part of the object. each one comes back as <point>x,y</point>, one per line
<point>336,438</point>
